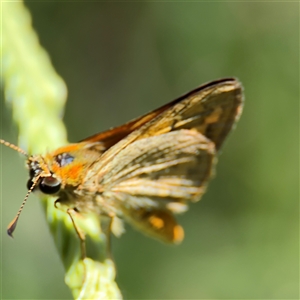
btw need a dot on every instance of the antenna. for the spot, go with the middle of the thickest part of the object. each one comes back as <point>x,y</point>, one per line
<point>14,147</point>
<point>13,224</point>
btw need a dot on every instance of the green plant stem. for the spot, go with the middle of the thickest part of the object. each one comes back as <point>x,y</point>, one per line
<point>37,96</point>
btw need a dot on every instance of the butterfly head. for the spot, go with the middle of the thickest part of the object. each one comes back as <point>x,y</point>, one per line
<point>41,177</point>
<point>59,170</point>
<point>54,172</point>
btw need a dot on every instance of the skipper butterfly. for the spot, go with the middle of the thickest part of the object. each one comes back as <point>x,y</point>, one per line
<point>146,170</point>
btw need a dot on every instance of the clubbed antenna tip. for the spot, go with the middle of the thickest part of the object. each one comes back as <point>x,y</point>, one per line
<point>13,224</point>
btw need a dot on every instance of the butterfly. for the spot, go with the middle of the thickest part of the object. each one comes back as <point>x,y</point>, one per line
<point>147,170</point>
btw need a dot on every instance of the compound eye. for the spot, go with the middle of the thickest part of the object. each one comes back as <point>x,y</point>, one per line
<point>50,185</point>
<point>29,184</point>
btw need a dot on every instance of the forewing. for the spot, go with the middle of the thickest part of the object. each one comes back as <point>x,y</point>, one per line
<point>211,109</point>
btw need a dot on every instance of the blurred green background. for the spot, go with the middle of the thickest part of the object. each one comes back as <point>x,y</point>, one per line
<point>121,60</point>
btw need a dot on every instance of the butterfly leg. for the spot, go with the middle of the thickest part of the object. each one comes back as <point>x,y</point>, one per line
<point>106,229</point>
<point>71,212</point>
